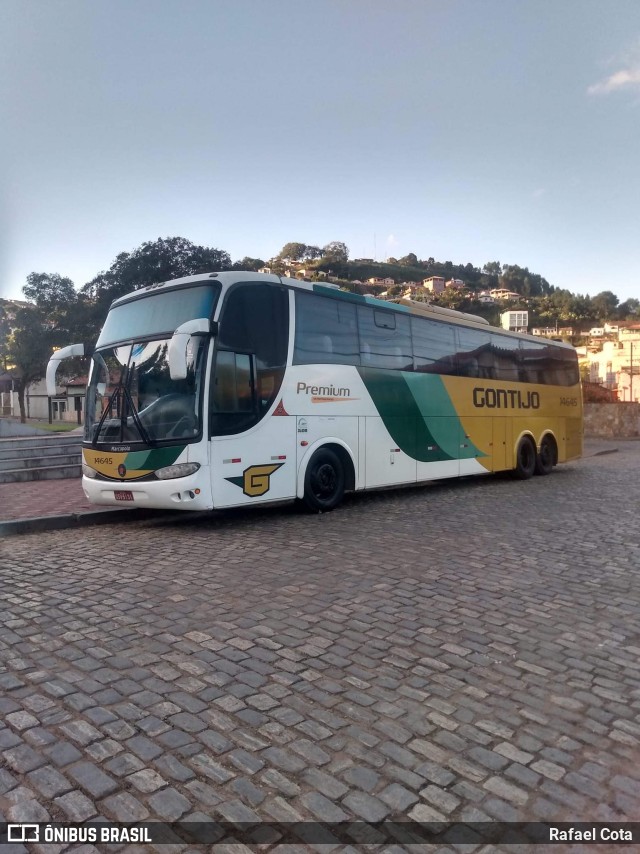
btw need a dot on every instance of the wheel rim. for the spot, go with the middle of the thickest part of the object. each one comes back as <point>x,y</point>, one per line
<point>324,481</point>
<point>545,454</point>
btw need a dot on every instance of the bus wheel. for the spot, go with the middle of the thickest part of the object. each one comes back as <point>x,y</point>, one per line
<point>545,460</point>
<point>525,459</point>
<point>324,481</point>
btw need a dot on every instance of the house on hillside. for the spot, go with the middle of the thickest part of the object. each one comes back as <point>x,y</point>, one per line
<point>434,284</point>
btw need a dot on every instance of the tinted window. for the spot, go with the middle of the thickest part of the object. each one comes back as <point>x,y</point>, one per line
<point>251,356</point>
<point>158,312</point>
<point>385,339</point>
<point>326,331</point>
<point>564,366</point>
<point>434,346</point>
<point>535,362</point>
<point>506,357</point>
<point>475,358</point>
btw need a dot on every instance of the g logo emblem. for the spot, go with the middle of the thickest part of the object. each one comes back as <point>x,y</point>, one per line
<point>122,469</point>
<point>256,480</point>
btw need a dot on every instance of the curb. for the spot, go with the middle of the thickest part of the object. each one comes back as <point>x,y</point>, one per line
<point>38,524</point>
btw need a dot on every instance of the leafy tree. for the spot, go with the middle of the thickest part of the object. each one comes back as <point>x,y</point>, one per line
<point>629,308</point>
<point>409,260</point>
<point>335,252</point>
<point>293,251</point>
<point>605,304</point>
<point>29,347</point>
<point>311,253</point>
<point>50,292</point>
<point>492,268</point>
<point>248,264</point>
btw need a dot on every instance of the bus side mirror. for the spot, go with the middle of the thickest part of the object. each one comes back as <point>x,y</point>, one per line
<point>54,361</point>
<point>177,356</point>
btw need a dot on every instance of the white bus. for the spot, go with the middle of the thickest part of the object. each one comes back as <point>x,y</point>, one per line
<point>239,388</point>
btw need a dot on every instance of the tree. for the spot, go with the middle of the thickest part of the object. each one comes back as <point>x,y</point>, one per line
<point>335,252</point>
<point>29,348</point>
<point>409,260</point>
<point>629,308</point>
<point>605,304</point>
<point>248,264</point>
<point>311,253</point>
<point>492,268</point>
<point>50,292</point>
<point>293,251</point>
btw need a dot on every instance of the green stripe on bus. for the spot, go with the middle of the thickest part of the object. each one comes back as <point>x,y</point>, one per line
<point>153,459</point>
<point>419,415</point>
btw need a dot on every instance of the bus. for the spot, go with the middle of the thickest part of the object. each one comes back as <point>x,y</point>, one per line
<point>236,388</point>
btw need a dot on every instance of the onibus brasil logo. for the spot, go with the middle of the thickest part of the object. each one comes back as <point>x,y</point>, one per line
<point>256,480</point>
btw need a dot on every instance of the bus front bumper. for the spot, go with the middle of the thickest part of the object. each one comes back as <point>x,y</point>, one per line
<point>181,493</point>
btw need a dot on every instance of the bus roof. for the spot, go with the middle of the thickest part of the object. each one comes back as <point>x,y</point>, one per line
<point>230,277</point>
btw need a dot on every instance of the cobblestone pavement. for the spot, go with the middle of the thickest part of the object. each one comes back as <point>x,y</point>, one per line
<point>468,651</point>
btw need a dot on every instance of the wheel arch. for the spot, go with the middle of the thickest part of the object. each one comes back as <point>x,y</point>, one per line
<point>345,454</point>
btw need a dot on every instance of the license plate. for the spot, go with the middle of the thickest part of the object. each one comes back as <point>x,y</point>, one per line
<point>123,495</point>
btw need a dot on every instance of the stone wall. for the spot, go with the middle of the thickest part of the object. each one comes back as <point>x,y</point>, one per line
<point>611,420</point>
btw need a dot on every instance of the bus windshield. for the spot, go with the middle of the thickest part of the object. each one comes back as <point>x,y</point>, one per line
<point>132,398</point>
<point>156,313</point>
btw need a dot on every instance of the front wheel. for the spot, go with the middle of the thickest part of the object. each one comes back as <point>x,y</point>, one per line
<point>525,459</point>
<point>545,460</point>
<point>324,481</point>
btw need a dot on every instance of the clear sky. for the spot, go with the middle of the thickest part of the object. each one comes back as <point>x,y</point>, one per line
<point>464,130</point>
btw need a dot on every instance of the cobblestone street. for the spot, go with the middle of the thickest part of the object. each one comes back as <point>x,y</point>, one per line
<point>464,651</point>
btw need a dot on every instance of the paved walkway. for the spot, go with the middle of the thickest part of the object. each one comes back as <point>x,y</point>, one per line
<point>39,498</point>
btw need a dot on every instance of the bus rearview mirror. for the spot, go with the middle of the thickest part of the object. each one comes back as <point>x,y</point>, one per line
<point>179,345</point>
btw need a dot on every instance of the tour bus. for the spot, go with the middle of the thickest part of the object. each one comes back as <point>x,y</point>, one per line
<point>236,388</point>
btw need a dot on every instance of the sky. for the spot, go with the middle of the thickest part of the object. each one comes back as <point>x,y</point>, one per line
<point>460,130</point>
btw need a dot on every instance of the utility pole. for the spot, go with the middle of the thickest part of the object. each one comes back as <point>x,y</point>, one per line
<point>631,373</point>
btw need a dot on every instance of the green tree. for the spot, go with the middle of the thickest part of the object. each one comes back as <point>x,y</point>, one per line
<point>492,268</point>
<point>247,263</point>
<point>605,304</point>
<point>293,251</point>
<point>336,252</point>
<point>29,348</point>
<point>629,308</point>
<point>51,292</point>
<point>409,260</point>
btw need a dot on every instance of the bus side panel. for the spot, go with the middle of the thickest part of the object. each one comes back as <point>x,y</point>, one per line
<point>386,463</point>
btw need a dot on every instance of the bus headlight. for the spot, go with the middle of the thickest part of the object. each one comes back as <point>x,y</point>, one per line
<point>87,471</point>
<point>179,470</point>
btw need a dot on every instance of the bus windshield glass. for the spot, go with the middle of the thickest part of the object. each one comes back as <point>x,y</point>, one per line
<point>156,313</point>
<point>132,398</point>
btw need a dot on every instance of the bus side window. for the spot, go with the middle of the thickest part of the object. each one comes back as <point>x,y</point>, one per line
<point>475,358</point>
<point>326,331</point>
<point>434,347</point>
<point>385,339</point>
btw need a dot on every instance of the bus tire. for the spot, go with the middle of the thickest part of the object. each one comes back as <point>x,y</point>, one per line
<point>546,457</point>
<point>525,459</point>
<point>324,481</point>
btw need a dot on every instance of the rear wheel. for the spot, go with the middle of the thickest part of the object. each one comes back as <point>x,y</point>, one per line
<point>546,458</point>
<point>525,459</point>
<point>324,481</point>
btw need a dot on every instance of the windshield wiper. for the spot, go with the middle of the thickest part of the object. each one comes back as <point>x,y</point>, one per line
<point>123,419</point>
<point>136,419</point>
